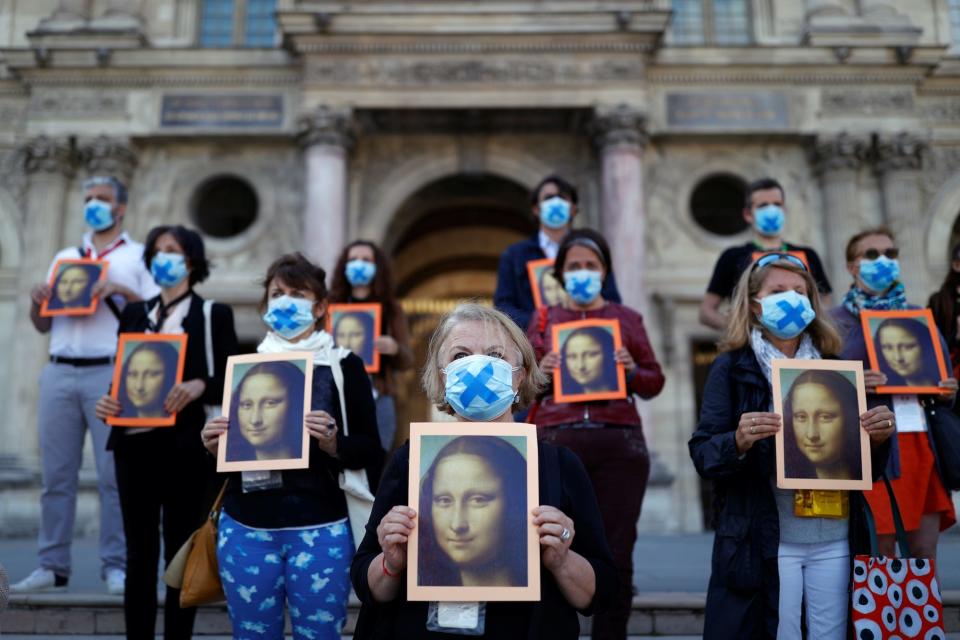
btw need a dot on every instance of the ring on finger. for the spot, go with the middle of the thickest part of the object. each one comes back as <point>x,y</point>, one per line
<point>753,421</point>
<point>565,534</point>
<point>753,429</point>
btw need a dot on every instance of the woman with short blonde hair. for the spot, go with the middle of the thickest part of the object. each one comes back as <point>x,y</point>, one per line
<point>474,343</point>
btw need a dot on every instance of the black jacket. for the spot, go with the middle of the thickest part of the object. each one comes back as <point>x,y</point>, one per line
<point>513,295</point>
<point>744,586</point>
<point>313,496</point>
<point>563,484</point>
<point>190,421</point>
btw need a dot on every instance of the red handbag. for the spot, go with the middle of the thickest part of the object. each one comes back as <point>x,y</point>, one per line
<point>895,597</point>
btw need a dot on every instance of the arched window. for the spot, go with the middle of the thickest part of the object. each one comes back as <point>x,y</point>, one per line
<point>238,23</point>
<point>224,206</point>
<point>717,204</point>
<point>710,22</point>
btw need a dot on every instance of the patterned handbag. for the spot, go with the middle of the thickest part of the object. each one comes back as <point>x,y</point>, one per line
<point>895,597</point>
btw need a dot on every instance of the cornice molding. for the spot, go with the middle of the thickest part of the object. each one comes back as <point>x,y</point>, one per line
<point>134,79</point>
<point>659,76</point>
<point>454,47</point>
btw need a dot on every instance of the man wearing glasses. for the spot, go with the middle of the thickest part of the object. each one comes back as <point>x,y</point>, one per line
<point>764,210</point>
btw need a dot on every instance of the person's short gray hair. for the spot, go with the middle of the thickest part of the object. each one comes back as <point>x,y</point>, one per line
<point>432,379</point>
<point>119,189</point>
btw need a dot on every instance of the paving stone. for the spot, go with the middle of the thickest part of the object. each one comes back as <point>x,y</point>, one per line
<point>110,622</point>
<point>675,623</point>
<point>17,621</point>
<point>64,621</point>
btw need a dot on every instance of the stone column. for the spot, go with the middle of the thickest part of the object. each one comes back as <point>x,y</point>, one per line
<point>898,161</point>
<point>49,166</point>
<point>837,160</point>
<point>620,137</point>
<point>326,136</point>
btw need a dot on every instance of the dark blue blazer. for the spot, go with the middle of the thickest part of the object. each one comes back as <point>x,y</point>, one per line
<point>513,295</point>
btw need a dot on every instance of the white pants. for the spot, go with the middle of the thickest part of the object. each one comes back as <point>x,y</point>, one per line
<point>820,574</point>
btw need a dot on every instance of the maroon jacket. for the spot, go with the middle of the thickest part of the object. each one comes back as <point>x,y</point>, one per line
<point>646,380</point>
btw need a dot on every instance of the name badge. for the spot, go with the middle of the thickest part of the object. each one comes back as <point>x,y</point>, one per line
<point>909,413</point>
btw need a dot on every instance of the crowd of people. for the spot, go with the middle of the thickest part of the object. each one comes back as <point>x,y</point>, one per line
<point>284,541</point>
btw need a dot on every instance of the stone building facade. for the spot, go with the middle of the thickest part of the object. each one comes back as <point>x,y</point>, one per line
<point>278,125</point>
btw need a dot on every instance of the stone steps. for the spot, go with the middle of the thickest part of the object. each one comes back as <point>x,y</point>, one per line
<point>673,613</point>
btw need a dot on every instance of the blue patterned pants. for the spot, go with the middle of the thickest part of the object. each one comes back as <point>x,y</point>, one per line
<point>308,567</point>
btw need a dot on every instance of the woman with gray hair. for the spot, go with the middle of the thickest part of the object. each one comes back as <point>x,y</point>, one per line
<point>578,571</point>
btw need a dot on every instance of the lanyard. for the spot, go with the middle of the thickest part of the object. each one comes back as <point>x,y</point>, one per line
<point>88,251</point>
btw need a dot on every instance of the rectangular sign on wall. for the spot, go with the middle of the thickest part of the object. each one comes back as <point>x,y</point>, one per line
<point>221,111</point>
<point>728,110</point>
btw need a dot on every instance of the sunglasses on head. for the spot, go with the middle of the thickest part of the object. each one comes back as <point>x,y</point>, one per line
<point>770,258</point>
<point>873,254</point>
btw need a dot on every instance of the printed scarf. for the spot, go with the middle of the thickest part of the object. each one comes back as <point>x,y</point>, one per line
<point>857,299</point>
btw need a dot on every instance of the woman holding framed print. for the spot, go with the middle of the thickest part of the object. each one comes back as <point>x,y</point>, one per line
<point>607,435</point>
<point>471,343</point>
<point>872,260</point>
<point>284,536</point>
<point>363,275</point>
<point>767,556</point>
<point>164,474</point>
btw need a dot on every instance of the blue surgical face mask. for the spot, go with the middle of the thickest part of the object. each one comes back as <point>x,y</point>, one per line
<point>879,274</point>
<point>168,269</point>
<point>583,285</point>
<point>480,388</point>
<point>98,215</point>
<point>555,212</point>
<point>360,273</point>
<point>786,314</point>
<point>768,220</point>
<point>289,316</point>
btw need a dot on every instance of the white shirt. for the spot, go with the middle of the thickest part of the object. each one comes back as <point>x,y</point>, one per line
<point>548,246</point>
<point>95,336</point>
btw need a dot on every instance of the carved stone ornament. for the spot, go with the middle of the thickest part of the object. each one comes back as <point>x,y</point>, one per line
<point>842,151</point>
<point>620,125</point>
<point>867,102</point>
<point>479,71</point>
<point>899,152</point>
<point>108,156</point>
<point>327,126</point>
<point>47,155</point>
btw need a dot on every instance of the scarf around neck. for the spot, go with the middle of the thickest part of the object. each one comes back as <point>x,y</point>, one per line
<point>857,299</point>
<point>320,342</point>
<point>766,352</point>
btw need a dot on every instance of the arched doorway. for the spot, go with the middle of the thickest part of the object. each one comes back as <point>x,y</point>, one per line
<point>445,242</point>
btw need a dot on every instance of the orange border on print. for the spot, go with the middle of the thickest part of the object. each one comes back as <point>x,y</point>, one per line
<point>532,266</point>
<point>799,255</point>
<point>125,338</point>
<point>529,593</point>
<point>621,390</point>
<point>377,309</point>
<point>865,482</point>
<point>90,309</point>
<point>266,465</point>
<point>866,315</point>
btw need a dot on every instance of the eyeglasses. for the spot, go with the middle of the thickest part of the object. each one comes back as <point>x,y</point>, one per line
<point>873,254</point>
<point>770,258</point>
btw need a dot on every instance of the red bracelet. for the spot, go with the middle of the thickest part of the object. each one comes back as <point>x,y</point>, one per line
<point>386,572</point>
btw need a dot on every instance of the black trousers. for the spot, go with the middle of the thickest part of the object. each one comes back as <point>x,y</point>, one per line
<point>163,487</point>
<point>618,464</point>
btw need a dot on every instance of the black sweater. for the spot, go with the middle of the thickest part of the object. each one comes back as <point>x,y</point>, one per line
<point>191,419</point>
<point>313,496</point>
<point>563,484</point>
